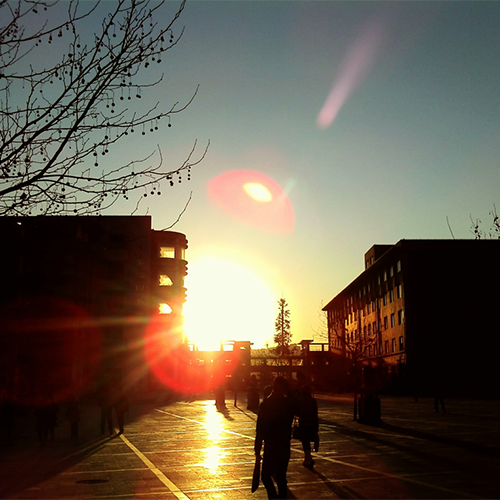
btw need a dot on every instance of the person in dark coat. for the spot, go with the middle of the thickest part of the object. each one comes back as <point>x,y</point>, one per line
<point>253,401</point>
<point>121,406</point>
<point>43,417</point>
<point>274,429</point>
<point>52,410</point>
<point>308,424</point>
<point>73,416</point>
<point>105,403</point>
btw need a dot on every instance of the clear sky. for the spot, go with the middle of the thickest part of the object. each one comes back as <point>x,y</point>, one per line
<point>408,136</point>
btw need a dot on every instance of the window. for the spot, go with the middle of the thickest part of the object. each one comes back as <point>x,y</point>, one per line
<point>391,295</point>
<point>399,291</point>
<point>386,323</point>
<point>386,345</point>
<point>385,275</point>
<point>393,320</point>
<point>393,345</point>
<point>384,299</point>
<point>164,308</point>
<point>401,344</point>
<point>398,266</point>
<point>167,252</point>
<point>165,280</point>
<point>391,272</point>
<point>400,317</point>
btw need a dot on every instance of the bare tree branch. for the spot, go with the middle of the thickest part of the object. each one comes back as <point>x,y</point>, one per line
<point>59,120</point>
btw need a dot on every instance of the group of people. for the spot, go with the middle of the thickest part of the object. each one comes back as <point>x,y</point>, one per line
<point>46,414</point>
<point>49,412</point>
<point>276,416</point>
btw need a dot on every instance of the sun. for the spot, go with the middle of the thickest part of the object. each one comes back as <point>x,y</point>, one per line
<point>226,301</point>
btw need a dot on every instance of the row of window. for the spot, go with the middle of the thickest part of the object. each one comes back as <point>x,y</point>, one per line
<point>386,348</point>
<point>370,306</point>
<point>375,327</point>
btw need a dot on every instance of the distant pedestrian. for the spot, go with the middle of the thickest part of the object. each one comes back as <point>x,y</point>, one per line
<point>7,415</point>
<point>52,410</point>
<point>42,415</point>
<point>121,406</point>
<point>73,416</point>
<point>253,395</point>
<point>308,424</point>
<point>274,429</point>
<point>220,398</point>
<point>439,390</point>
<point>439,400</point>
<point>106,406</point>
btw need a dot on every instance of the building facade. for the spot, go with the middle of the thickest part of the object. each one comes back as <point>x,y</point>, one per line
<point>78,296</point>
<point>420,317</point>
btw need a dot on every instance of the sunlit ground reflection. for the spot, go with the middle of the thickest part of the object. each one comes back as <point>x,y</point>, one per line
<point>214,425</point>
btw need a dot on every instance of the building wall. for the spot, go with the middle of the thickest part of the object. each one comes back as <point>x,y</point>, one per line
<point>77,296</point>
<point>440,297</point>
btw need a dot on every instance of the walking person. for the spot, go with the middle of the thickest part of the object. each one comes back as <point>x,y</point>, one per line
<point>104,402</point>
<point>308,424</point>
<point>253,401</point>
<point>121,406</point>
<point>52,410</point>
<point>274,429</point>
<point>73,416</point>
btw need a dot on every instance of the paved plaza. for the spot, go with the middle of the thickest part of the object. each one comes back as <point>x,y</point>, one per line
<point>189,450</point>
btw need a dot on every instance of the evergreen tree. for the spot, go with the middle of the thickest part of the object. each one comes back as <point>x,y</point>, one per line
<point>283,335</point>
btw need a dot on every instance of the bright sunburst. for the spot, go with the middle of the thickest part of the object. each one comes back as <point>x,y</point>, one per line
<point>226,301</point>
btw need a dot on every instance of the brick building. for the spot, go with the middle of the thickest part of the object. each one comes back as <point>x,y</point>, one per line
<point>421,317</point>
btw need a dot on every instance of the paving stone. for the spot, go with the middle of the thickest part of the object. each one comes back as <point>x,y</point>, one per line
<point>191,449</point>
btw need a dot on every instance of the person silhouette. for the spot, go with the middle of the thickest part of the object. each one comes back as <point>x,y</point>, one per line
<point>274,429</point>
<point>308,424</point>
<point>104,402</point>
<point>121,406</point>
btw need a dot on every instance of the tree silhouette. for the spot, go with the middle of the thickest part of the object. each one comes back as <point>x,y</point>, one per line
<point>353,347</point>
<point>283,335</point>
<point>72,76</point>
<point>494,229</point>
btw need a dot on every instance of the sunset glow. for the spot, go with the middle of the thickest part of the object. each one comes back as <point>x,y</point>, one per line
<point>226,302</point>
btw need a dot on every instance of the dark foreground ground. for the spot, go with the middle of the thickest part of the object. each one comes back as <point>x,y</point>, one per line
<point>188,450</point>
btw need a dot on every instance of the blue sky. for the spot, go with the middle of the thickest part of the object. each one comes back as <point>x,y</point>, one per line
<point>415,141</point>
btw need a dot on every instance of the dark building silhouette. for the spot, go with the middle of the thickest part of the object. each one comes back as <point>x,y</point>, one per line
<point>77,296</point>
<point>422,317</point>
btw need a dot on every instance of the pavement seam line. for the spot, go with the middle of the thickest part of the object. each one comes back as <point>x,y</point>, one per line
<point>159,474</point>
<point>202,423</point>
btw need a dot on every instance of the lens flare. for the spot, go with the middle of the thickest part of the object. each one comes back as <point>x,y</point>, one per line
<point>51,349</point>
<point>354,70</point>
<point>257,191</point>
<point>253,198</point>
